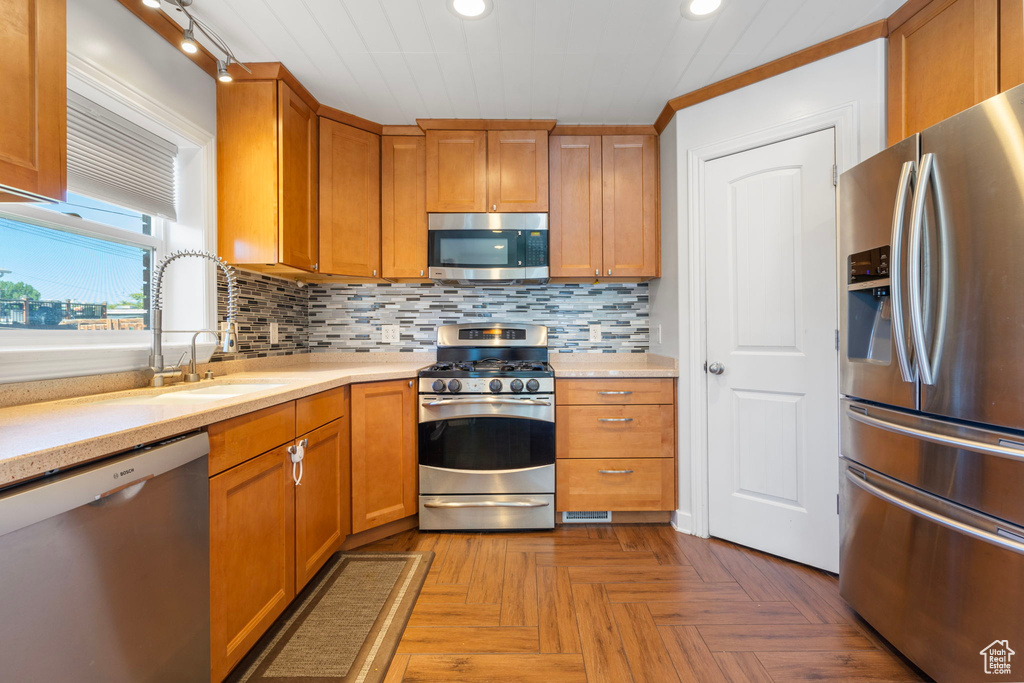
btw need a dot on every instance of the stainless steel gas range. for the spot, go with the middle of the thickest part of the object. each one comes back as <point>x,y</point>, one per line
<point>487,430</point>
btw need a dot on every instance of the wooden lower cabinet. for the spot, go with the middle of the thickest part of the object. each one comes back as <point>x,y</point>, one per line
<point>322,503</point>
<point>624,484</point>
<point>252,568</point>
<point>384,462</point>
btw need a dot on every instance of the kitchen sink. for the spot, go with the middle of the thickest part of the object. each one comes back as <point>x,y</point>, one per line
<point>201,395</point>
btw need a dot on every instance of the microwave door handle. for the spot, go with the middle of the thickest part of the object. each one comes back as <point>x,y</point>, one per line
<point>906,184</point>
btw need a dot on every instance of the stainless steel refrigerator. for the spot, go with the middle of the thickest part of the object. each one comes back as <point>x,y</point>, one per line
<point>932,373</point>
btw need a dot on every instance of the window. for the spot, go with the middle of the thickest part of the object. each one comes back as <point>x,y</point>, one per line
<point>84,266</point>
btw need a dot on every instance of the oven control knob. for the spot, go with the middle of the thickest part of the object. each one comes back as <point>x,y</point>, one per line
<point>517,385</point>
<point>495,386</point>
<point>454,385</point>
<point>532,385</point>
<point>438,385</point>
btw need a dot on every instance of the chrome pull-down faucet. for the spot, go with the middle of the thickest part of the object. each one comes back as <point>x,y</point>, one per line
<point>227,339</point>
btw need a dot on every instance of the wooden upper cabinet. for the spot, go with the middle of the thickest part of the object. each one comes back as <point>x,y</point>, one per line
<point>403,206</point>
<point>629,170</point>
<point>456,171</point>
<point>517,171</point>
<point>942,60</point>
<point>252,564</point>
<point>349,200</point>
<point>266,177</point>
<point>383,453</point>
<point>322,504</point>
<point>33,109</point>
<point>297,173</point>
<point>1011,43</point>
<point>575,230</point>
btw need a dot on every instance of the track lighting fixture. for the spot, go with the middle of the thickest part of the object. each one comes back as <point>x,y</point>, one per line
<point>188,37</point>
<point>188,40</point>
<point>222,71</point>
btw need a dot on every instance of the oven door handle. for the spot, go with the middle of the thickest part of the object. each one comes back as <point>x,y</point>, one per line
<point>486,504</point>
<point>487,401</point>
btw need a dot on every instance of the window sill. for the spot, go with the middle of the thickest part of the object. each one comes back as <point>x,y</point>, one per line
<point>26,364</point>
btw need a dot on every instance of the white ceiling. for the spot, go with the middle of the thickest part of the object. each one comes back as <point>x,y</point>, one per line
<point>578,61</point>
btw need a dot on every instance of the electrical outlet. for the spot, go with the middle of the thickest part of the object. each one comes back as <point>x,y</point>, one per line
<point>595,333</point>
<point>274,338</point>
<point>390,334</point>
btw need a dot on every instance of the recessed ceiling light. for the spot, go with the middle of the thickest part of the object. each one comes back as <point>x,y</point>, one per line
<point>699,9</point>
<point>155,4</point>
<point>470,9</point>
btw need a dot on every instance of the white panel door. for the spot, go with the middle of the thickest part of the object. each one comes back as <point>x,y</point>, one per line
<point>773,412</point>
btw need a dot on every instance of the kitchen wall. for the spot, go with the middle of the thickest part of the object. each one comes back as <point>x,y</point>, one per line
<point>854,79</point>
<point>348,317</point>
<point>263,299</point>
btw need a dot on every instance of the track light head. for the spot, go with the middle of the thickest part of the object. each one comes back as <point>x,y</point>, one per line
<point>188,40</point>
<point>222,71</point>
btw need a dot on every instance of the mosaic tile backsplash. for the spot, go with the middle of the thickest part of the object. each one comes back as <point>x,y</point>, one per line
<point>348,317</point>
<point>261,300</point>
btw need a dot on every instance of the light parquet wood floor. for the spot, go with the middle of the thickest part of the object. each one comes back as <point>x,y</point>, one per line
<point>627,603</point>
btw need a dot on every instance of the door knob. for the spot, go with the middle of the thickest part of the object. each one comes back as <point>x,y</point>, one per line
<point>716,368</point>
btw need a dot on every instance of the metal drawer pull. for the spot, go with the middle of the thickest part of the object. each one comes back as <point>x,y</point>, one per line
<point>997,539</point>
<point>615,393</point>
<point>614,419</point>
<point>615,471</point>
<point>1002,449</point>
<point>487,504</point>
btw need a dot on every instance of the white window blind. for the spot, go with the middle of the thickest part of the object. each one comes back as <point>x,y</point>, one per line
<point>113,159</point>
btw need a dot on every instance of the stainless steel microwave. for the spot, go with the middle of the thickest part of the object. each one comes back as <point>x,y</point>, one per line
<point>488,248</point>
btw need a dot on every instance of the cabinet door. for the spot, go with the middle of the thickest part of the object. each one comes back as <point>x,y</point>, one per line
<point>403,206</point>
<point>942,60</point>
<point>383,453</point>
<point>349,200</point>
<point>629,166</point>
<point>252,560</point>
<point>517,170</point>
<point>297,180</point>
<point>575,230</point>
<point>33,110</point>
<point>322,511</point>
<point>456,171</point>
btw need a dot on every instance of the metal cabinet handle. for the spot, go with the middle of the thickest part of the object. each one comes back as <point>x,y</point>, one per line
<point>487,504</point>
<point>609,271</point>
<point>375,273</point>
<point>614,419</point>
<point>951,524</point>
<point>421,273</point>
<point>615,471</point>
<point>614,393</point>
<point>597,271</point>
<point>907,176</point>
<point>494,207</point>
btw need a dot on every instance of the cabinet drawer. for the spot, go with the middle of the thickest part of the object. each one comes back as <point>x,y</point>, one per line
<point>236,440</point>
<point>614,391</point>
<point>616,484</point>
<point>317,410</point>
<point>635,431</point>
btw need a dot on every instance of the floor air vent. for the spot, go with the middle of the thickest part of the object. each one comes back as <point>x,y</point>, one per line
<point>584,517</point>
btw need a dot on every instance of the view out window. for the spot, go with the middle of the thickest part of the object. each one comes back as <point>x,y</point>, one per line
<point>84,265</point>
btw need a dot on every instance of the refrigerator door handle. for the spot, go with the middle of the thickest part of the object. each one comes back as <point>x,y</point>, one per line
<point>906,184</point>
<point>941,520</point>
<point>928,178</point>
<point>999,449</point>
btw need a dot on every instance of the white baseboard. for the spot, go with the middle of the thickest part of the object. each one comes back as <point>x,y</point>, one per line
<point>682,522</point>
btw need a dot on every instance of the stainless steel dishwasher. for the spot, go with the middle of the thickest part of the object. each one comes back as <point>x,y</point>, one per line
<point>105,570</point>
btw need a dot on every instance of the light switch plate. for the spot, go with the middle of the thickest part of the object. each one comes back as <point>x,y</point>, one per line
<point>274,337</point>
<point>390,334</point>
<point>595,333</point>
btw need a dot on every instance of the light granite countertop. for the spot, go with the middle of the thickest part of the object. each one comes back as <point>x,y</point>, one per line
<point>39,437</point>
<point>42,436</point>
<point>582,365</point>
